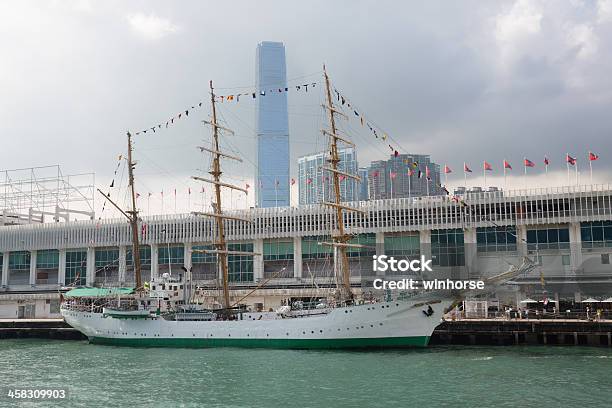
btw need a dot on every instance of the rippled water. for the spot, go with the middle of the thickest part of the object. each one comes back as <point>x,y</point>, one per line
<point>102,376</point>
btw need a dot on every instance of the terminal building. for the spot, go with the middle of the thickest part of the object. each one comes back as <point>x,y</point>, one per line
<point>566,230</point>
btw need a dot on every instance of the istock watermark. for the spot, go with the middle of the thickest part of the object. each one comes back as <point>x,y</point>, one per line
<point>389,264</point>
<point>384,263</point>
<point>435,284</point>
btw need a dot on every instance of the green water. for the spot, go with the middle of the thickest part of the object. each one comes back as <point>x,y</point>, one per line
<point>103,376</point>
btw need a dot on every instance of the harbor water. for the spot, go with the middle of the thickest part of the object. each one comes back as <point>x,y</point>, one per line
<point>103,376</point>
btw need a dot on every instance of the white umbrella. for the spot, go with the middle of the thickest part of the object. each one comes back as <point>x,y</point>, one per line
<point>608,300</point>
<point>590,300</point>
<point>529,301</point>
<point>549,301</point>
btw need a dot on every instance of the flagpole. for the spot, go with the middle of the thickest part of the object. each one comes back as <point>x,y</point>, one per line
<point>149,204</point>
<point>576,168</point>
<point>391,182</point>
<point>569,183</point>
<point>484,173</point>
<point>505,182</point>
<point>409,177</point>
<point>445,176</point>
<point>464,177</point>
<point>591,167</point>
<point>525,173</point>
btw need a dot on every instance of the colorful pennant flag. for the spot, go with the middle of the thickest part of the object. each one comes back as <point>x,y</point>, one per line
<point>529,163</point>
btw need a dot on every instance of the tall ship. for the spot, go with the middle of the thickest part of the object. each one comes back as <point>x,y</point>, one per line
<point>163,312</point>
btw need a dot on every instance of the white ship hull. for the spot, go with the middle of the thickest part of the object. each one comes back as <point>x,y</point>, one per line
<point>386,324</point>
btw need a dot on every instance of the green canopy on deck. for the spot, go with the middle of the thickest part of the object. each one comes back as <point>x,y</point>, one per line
<point>98,292</point>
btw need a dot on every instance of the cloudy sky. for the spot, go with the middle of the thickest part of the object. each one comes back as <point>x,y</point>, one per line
<point>462,81</point>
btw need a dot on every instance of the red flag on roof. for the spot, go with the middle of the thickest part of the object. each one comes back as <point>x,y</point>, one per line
<point>593,156</point>
<point>546,161</point>
<point>427,173</point>
<point>375,174</point>
<point>487,166</point>
<point>393,174</point>
<point>292,181</point>
<point>447,169</point>
<point>466,169</point>
<point>309,181</point>
<point>529,163</point>
<point>507,165</point>
<point>571,160</point>
<point>410,172</point>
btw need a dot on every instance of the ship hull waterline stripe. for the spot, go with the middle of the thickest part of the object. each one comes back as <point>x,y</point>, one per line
<point>380,342</point>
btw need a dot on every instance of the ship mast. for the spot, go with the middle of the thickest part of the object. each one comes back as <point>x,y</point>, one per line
<point>220,243</point>
<point>134,217</point>
<point>131,215</point>
<point>340,238</point>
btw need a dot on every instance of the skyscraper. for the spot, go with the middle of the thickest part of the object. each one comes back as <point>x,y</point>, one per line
<point>363,185</point>
<point>316,184</point>
<point>404,176</point>
<point>272,182</point>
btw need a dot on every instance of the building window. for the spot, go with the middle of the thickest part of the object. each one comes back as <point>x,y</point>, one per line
<point>565,260</point>
<point>47,259</point>
<point>47,266</point>
<point>240,267</point>
<point>496,239</point>
<point>447,247</point>
<point>278,254</point>
<point>312,250</point>
<point>19,267</point>
<point>548,238</point>
<point>145,257</point>
<point>19,261</point>
<point>171,254</point>
<point>317,260</point>
<point>360,259</point>
<point>605,259</point>
<point>404,245</point>
<point>76,267</point>
<point>596,234</point>
<point>204,266</point>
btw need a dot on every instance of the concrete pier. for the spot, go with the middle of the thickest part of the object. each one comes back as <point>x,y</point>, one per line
<point>524,332</point>
<point>38,328</point>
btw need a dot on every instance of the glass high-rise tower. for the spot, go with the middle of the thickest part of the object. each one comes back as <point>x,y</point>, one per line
<point>272,184</point>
